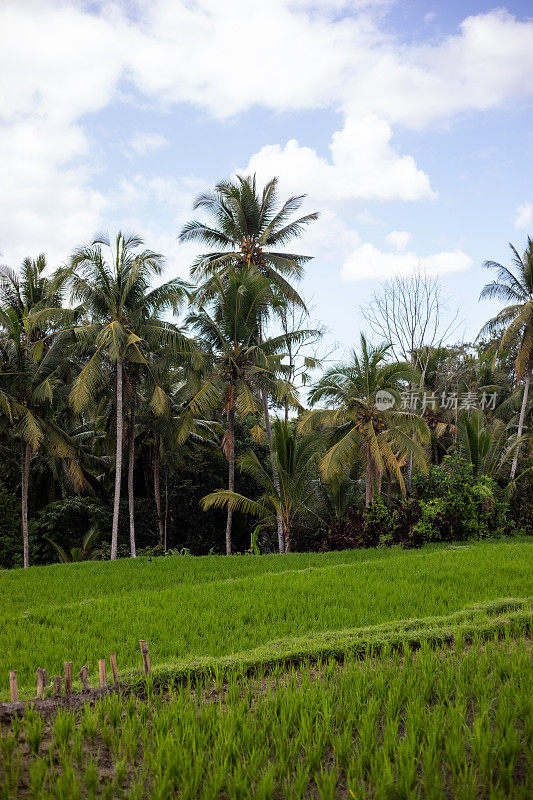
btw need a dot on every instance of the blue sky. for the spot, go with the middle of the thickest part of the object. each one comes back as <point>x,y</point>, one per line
<point>408,124</point>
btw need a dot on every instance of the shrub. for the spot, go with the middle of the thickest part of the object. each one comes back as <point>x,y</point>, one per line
<point>456,506</point>
<point>449,504</point>
<point>66,522</point>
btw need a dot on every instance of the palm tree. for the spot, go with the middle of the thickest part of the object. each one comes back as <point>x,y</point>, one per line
<point>31,360</point>
<point>484,444</point>
<point>83,553</point>
<point>241,362</point>
<point>351,391</point>
<point>514,323</point>
<point>159,435</point>
<point>295,457</point>
<point>249,228</point>
<point>117,323</point>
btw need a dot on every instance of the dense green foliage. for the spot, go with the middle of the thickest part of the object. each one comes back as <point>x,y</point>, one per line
<point>10,539</point>
<point>187,607</point>
<point>170,432</point>
<point>449,504</point>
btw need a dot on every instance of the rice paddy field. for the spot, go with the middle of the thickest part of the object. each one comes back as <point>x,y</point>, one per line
<point>192,609</point>
<point>364,674</point>
<point>436,723</point>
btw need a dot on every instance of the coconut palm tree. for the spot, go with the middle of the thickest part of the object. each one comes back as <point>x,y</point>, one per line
<point>31,355</point>
<point>514,323</point>
<point>386,435</point>
<point>484,444</point>
<point>118,322</point>
<point>159,435</point>
<point>295,457</point>
<point>242,363</point>
<point>249,228</point>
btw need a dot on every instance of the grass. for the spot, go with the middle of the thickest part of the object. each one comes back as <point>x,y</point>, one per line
<point>435,723</point>
<point>214,607</point>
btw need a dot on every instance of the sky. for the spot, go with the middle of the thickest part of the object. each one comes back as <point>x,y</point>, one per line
<point>408,125</point>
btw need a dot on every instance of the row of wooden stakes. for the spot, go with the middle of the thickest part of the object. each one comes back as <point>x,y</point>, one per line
<point>42,676</point>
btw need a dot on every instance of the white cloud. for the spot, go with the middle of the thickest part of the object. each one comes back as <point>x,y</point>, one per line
<point>137,198</point>
<point>62,60</point>
<point>398,239</point>
<point>368,262</point>
<point>363,165</point>
<point>143,142</point>
<point>46,200</point>
<point>524,215</point>
<point>488,62</point>
<point>329,59</point>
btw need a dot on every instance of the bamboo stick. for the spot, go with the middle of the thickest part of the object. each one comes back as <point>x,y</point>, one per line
<point>146,658</point>
<point>101,671</point>
<point>42,680</point>
<point>68,677</point>
<point>84,678</point>
<point>57,685</point>
<point>13,688</point>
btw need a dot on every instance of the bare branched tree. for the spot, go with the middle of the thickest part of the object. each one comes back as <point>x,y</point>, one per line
<point>408,312</point>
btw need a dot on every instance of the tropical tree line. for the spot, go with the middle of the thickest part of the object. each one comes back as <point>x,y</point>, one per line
<point>103,390</point>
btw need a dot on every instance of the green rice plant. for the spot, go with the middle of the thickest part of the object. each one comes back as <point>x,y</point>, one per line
<point>33,723</point>
<point>91,778</point>
<point>89,723</point>
<point>38,776</point>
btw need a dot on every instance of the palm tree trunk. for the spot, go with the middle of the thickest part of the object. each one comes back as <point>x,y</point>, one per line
<point>157,492</point>
<point>369,478</point>
<point>231,475</point>
<point>131,465</point>
<point>275,476</point>
<point>118,462</point>
<point>521,421</point>
<point>166,510</point>
<point>26,458</point>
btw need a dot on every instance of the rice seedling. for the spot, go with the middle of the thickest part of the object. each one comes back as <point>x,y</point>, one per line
<point>438,722</point>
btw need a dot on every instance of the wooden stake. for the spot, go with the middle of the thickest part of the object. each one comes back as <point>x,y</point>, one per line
<point>68,677</point>
<point>84,678</point>
<point>114,668</point>
<point>13,688</point>
<point>57,686</point>
<point>101,670</point>
<point>42,680</point>
<point>146,658</point>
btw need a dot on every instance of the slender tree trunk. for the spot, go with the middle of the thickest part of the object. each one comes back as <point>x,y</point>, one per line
<point>166,510</point>
<point>26,459</point>
<point>369,478</point>
<point>157,492</point>
<point>409,476</point>
<point>131,466</point>
<point>275,476</point>
<point>118,462</point>
<point>288,540</point>
<point>521,421</point>
<point>231,475</point>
